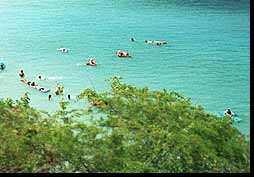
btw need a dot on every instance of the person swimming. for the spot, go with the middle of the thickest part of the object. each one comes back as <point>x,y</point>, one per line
<point>126,54</point>
<point>50,97</point>
<point>132,39</point>
<point>158,43</point>
<point>149,41</point>
<point>63,50</point>
<point>21,74</point>
<point>91,62</point>
<point>69,97</point>
<point>122,54</point>
<point>33,84</point>
<point>39,88</point>
<point>229,112</point>
<point>41,78</point>
<point>2,66</point>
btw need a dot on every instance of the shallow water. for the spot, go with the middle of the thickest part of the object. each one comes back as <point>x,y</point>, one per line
<point>207,59</point>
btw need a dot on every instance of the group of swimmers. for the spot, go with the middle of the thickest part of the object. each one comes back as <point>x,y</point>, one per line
<point>59,89</point>
<point>122,54</point>
<point>126,54</point>
<point>50,97</point>
<point>34,85</point>
<point>91,62</point>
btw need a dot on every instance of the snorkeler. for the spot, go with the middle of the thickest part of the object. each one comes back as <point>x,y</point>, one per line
<point>21,74</point>
<point>50,97</point>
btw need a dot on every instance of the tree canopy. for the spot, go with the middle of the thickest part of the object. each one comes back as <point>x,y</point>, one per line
<point>130,129</point>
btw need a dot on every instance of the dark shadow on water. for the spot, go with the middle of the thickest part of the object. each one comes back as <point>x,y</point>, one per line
<point>218,4</point>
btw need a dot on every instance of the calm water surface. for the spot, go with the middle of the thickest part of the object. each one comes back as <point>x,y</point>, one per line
<point>208,58</point>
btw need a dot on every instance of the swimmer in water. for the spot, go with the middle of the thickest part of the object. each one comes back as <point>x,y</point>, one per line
<point>21,74</point>
<point>41,78</point>
<point>50,97</point>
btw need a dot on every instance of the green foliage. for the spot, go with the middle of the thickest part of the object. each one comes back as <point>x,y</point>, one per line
<point>132,130</point>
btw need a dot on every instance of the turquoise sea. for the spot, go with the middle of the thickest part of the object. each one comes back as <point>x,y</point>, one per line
<point>207,58</point>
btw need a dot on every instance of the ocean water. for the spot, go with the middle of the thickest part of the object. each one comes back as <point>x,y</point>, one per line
<point>207,58</point>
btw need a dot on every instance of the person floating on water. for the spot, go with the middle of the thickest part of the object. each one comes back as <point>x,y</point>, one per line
<point>91,62</point>
<point>40,88</point>
<point>33,84</point>
<point>2,66</point>
<point>158,43</point>
<point>50,97</point>
<point>228,112</point>
<point>63,50</point>
<point>69,97</point>
<point>122,54</point>
<point>21,74</point>
<point>149,41</point>
<point>41,78</point>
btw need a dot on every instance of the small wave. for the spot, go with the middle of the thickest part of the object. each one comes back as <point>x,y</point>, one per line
<point>80,64</point>
<point>55,78</point>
